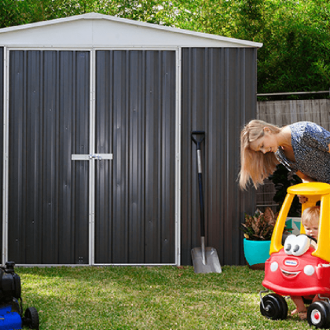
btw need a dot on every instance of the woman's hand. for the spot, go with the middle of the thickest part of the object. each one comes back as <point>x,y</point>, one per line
<point>304,178</point>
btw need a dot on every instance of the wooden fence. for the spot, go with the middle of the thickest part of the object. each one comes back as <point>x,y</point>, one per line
<point>283,113</point>
<point>287,112</point>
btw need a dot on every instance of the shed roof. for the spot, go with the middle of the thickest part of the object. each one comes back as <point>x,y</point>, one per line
<point>99,30</point>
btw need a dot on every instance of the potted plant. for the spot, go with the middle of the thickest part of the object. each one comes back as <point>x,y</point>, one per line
<point>258,230</point>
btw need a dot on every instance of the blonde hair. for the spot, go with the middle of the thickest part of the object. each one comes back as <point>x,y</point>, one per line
<point>310,214</point>
<point>255,165</point>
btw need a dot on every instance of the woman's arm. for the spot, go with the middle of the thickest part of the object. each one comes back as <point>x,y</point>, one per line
<point>304,177</point>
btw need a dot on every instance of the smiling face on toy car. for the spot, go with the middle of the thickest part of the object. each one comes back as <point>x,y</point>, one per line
<point>287,263</point>
<point>293,269</point>
<point>295,246</point>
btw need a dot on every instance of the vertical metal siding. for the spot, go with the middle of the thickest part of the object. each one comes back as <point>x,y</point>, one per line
<point>218,96</point>
<point>1,132</point>
<point>135,119</point>
<point>48,121</point>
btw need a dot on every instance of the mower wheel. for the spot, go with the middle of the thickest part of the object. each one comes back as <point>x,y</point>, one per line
<point>31,318</point>
<point>274,307</point>
<point>318,315</point>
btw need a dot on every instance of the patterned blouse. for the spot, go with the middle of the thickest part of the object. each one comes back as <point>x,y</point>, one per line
<point>310,147</point>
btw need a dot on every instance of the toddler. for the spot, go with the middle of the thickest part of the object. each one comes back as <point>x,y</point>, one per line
<point>310,221</point>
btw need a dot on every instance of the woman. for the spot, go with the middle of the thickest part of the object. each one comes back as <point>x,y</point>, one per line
<point>302,147</point>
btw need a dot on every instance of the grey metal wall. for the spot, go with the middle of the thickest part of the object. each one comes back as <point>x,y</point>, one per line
<point>135,119</point>
<point>49,121</point>
<point>219,97</point>
<point>1,131</point>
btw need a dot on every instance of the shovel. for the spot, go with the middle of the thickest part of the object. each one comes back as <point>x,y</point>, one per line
<point>205,260</point>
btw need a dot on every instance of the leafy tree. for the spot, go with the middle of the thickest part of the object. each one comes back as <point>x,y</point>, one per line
<point>296,46</point>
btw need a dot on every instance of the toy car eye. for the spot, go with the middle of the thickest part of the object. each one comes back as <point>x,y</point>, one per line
<point>288,244</point>
<point>296,245</point>
<point>301,245</point>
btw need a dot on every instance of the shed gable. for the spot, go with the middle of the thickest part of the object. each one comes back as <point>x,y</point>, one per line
<point>99,30</point>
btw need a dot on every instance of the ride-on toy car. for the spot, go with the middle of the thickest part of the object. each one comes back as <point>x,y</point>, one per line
<point>297,268</point>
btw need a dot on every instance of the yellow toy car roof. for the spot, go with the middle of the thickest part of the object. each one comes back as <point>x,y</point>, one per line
<point>311,188</point>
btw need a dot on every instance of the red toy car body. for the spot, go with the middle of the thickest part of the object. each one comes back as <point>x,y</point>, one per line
<point>300,267</point>
<point>297,276</point>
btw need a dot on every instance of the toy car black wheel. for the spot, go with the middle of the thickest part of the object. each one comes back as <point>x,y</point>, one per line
<point>31,318</point>
<point>274,307</point>
<point>318,314</point>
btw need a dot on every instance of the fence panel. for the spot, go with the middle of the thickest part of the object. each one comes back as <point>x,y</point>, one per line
<point>287,112</point>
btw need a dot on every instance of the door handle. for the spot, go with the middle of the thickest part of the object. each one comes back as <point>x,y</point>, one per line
<point>92,156</point>
<point>103,156</point>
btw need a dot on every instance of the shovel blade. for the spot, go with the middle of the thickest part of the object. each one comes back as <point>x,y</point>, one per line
<point>212,264</point>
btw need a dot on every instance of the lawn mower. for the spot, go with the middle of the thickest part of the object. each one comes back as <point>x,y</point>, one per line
<point>297,268</point>
<point>11,310</point>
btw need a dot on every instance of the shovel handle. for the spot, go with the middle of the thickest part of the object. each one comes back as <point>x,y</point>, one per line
<point>198,137</point>
<point>201,204</point>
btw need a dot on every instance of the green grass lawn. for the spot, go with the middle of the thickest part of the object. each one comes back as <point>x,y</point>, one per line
<point>147,298</point>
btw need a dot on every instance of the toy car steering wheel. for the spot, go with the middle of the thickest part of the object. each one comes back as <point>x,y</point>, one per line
<point>313,238</point>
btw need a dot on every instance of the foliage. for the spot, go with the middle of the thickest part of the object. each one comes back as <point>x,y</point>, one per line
<point>298,41</point>
<point>260,226</point>
<point>166,297</point>
<point>282,180</point>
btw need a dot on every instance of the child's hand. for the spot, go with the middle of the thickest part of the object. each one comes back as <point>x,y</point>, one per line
<point>302,199</point>
<point>313,244</point>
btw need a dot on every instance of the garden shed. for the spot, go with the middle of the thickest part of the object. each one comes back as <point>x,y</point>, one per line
<point>98,163</point>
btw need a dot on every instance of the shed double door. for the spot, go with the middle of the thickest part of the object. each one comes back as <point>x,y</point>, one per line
<point>91,154</point>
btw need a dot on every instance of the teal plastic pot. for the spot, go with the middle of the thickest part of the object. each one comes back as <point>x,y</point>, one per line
<point>256,252</point>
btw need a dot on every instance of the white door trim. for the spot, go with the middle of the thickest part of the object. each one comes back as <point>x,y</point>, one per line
<point>92,156</point>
